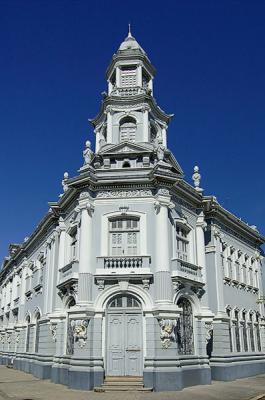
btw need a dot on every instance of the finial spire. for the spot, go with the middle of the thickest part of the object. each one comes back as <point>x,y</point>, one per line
<point>129,30</point>
<point>196,177</point>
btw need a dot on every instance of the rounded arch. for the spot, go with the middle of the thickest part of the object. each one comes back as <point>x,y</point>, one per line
<point>189,295</point>
<point>37,314</point>
<point>28,317</point>
<point>131,116</point>
<point>140,294</point>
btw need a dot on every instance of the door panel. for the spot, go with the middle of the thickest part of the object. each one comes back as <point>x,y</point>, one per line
<point>115,362</point>
<point>133,349</point>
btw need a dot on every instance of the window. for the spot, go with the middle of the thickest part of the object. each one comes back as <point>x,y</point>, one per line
<point>124,236</point>
<point>228,312</point>
<point>185,331</point>
<point>258,332</point>
<point>127,130</point>
<point>237,331</point>
<point>245,339</point>
<point>182,243</point>
<point>251,332</point>
<point>27,334</point>
<point>124,302</point>
<point>128,76</point>
<point>73,254</point>
<point>37,333</point>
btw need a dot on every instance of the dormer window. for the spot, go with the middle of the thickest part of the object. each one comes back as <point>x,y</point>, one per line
<point>128,76</point>
<point>127,130</point>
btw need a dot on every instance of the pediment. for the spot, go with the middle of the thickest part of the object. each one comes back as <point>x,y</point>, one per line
<point>126,147</point>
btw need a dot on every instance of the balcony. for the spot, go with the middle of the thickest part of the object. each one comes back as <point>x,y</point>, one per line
<point>128,91</point>
<point>123,265</point>
<point>69,273</point>
<point>186,271</point>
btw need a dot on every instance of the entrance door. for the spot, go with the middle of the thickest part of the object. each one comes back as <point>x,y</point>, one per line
<point>124,337</point>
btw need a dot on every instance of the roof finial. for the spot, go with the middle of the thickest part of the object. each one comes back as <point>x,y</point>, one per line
<point>196,177</point>
<point>129,30</point>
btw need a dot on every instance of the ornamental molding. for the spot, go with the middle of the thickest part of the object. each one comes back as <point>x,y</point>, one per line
<point>80,331</point>
<point>209,330</point>
<point>124,193</point>
<point>53,330</point>
<point>167,332</point>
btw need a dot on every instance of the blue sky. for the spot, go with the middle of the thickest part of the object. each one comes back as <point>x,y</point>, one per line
<point>210,63</point>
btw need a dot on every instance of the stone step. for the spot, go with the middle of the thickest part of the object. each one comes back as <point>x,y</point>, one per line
<point>123,383</point>
<point>118,388</point>
<point>123,379</point>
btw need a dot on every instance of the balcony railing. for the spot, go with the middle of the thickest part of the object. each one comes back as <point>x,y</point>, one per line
<point>186,270</point>
<point>128,91</point>
<point>123,263</point>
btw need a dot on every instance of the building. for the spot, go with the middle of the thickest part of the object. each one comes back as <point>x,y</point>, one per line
<point>133,271</point>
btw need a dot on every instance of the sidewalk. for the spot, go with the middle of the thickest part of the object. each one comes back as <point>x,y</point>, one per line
<point>17,385</point>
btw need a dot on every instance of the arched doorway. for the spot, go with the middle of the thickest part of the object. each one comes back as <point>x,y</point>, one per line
<point>124,350</point>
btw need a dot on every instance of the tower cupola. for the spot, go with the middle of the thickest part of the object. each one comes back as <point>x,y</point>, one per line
<point>129,112</point>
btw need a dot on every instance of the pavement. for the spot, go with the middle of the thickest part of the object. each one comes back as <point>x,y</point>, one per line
<point>17,385</point>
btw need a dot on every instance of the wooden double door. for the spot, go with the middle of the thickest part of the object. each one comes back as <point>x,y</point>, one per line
<point>124,342</point>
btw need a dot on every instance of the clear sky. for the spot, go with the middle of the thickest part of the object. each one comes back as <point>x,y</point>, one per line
<point>210,63</point>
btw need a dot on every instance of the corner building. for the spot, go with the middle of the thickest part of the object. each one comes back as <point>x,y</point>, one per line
<point>133,271</point>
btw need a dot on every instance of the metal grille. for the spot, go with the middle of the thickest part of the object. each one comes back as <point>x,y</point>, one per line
<point>185,331</point>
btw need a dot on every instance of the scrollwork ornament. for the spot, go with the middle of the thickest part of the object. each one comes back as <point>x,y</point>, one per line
<point>80,331</point>
<point>209,330</point>
<point>53,329</point>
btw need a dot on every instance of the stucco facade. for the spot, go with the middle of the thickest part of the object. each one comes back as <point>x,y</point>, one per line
<point>134,272</point>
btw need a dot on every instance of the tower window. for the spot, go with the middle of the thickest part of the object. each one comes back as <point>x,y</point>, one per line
<point>127,130</point>
<point>128,77</point>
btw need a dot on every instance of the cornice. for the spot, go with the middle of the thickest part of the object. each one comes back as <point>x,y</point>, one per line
<point>136,101</point>
<point>213,209</point>
<point>130,56</point>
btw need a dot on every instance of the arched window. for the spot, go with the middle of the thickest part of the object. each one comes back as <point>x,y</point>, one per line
<point>228,312</point>
<point>27,333</point>
<point>257,332</point>
<point>122,301</point>
<point>245,339</point>
<point>124,236</point>
<point>251,332</point>
<point>185,332</point>
<point>126,164</point>
<point>127,130</point>
<point>237,331</point>
<point>37,332</point>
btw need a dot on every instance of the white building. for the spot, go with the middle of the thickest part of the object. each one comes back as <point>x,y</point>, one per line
<point>134,272</point>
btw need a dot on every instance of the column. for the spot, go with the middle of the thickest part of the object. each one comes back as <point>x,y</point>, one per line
<point>61,259</point>
<point>219,274</point>
<point>163,283</point>
<point>109,125</point>
<point>139,76</point>
<point>164,136</point>
<point>200,252</point>
<point>54,272</point>
<point>145,111</point>
<point>46,277</point>
<point>85,253</point>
